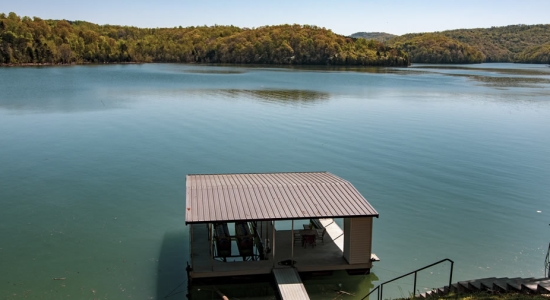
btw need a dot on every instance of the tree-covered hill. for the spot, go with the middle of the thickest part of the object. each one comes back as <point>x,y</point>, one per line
<point>25,40</point>
<point>377,36</point>
<point>503,44</point>
<point>436,48</point>
<point>514,43</point>
<point>535,54</point>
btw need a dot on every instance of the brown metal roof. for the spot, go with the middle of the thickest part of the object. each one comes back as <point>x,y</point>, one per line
<point>272,196</point>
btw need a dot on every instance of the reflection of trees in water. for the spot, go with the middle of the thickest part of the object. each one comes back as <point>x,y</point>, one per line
<point>229,69</point>
<point>358,69</point>
<point>478,69</point>
<point>496,81</point>
<point>281,96</point>
<point>215,71</point>
<point>503,82</point>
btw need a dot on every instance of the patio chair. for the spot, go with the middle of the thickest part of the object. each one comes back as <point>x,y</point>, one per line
<point>321,234</point>
<point>298,238</point>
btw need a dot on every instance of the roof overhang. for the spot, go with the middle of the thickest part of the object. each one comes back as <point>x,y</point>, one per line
<point>212,198</point>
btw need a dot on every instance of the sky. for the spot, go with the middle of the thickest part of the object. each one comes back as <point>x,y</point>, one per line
<point>342,16</point>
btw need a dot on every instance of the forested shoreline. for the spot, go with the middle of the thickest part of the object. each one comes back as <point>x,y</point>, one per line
<point>34,41</point>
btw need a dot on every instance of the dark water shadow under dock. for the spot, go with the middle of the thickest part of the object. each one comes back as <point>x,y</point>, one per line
<point>172,276</point>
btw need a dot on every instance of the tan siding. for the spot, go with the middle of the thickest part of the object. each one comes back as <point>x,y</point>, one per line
<point>360,240</point>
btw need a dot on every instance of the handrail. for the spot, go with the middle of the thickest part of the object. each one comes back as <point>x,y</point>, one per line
<point>547,263</point>
<point>380,286</point>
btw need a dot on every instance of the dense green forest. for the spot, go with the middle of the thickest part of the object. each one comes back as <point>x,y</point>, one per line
<point>504,44</point>
<point>437,48</point>
<point>25,40</point>
<point>514,43</point>
<point>535,54</point>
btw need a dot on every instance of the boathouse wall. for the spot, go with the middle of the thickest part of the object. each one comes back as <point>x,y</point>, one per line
<point>358,240</point>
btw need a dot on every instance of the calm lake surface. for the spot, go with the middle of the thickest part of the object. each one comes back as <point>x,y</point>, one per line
<point>93,161</point>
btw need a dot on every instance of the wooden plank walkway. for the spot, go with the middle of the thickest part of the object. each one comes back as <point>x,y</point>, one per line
<point>289,284</point>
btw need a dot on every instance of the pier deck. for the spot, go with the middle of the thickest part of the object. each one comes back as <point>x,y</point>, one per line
<point>289,284</point>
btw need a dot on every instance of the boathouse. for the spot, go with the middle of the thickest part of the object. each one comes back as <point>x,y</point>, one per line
<point>245,224</point>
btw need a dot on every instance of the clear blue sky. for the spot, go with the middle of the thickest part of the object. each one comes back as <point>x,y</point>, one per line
<point>343,16</point>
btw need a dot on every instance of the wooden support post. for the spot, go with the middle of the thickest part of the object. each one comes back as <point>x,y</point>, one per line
<point>273,241</point>
<point>191,226</point>
<point>292,245</point>
<point>211,240</point>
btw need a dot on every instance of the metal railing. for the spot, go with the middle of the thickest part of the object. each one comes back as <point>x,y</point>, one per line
<point>547,263</point>
<point>379,288</point>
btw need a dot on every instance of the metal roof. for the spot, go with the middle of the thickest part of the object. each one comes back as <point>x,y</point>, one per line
<point>272,196</point>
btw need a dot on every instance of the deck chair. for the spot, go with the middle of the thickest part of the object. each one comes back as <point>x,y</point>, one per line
<point>321,234</point>
<point>298,238</point>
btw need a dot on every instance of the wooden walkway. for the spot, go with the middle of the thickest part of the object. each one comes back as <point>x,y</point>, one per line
<point>289,284</point>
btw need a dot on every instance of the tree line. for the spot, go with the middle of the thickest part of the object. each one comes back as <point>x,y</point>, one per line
<point>514,43</point>
<point>25,40</point>
<point>437,48</point>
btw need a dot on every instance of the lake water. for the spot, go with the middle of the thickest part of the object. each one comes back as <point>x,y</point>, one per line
<point>93,161</point>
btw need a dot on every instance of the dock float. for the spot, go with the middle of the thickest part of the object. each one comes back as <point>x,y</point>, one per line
<point>289,284</point>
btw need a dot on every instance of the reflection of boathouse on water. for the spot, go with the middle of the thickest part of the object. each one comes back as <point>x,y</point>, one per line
<point>246,224</point>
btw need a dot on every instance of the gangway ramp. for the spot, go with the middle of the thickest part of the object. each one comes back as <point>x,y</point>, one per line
<point>289,284</point>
